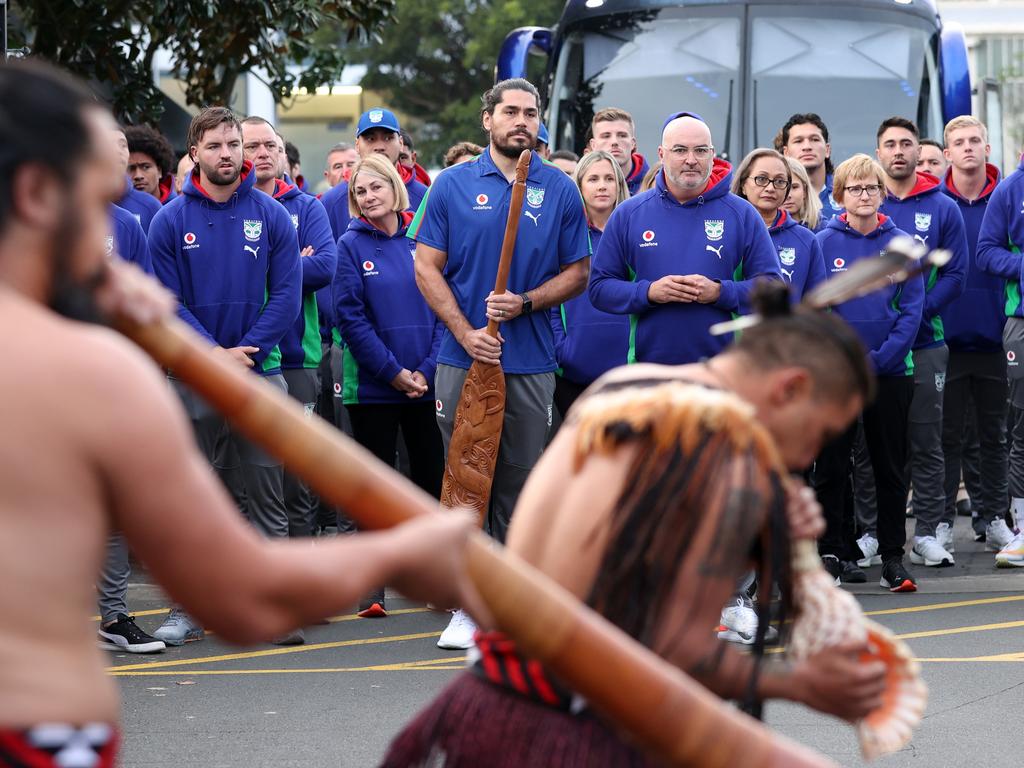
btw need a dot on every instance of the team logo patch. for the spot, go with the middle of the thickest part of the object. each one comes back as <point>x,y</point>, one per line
<point>438,406</point>
<point>648,235</point>
<point>368,266</point>
<point>481,199</point>
<point>940,381</point>
<point>337,388</point>
<point>376,115</point>
<point>787,256</point>
<point>108,245</point>
<point>534,197</point>
<point>1011,356</point>
<point>839,263</point>
<point>922,222</point>
<point>714,229</point>
<point>190,238</point>
<point>252,229</point>
<point>295,220</point>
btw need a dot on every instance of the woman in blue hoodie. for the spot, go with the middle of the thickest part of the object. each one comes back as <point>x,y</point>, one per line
<point>764,179</point>
<point>589,342</point>
<point>391,335</point>
<point>887,321</point>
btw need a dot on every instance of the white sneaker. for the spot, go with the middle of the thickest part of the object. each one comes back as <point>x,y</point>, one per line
<point>1012,555</point>
<point>869,548</point>
<point>997,535</point>
<point>458,635</point>
<point>927,551</point>
<point>944,535</point>
<point>740,621</point>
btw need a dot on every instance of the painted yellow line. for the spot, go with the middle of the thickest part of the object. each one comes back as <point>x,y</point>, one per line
<point>331,619</point>
<point>943,606</point>
<point>272,652</point>
<point>430,665</point>
<point>999,657</point>
<point>961,630</point>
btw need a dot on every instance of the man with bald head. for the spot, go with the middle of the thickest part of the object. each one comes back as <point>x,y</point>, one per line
<point>683,255</point>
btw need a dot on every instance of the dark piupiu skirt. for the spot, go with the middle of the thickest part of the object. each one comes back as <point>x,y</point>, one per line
<point>474,723</point>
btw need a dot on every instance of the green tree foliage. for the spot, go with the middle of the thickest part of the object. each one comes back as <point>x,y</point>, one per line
<point>212,42</point>
<point>436,61</point>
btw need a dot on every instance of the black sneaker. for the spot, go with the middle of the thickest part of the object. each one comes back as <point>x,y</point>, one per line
<point>125,635</point>
<point>896,578</point>
<point>851,573</point>
<point>833,566</point>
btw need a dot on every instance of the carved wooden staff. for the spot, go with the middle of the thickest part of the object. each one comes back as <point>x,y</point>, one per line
<point>480,414</point>
<point>666,712</point>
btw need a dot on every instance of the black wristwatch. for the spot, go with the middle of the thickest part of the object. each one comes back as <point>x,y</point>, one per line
<point>527,303</point>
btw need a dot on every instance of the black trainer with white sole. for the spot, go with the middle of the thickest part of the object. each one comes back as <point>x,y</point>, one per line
<point>124,635</point>
<point>896,578</point>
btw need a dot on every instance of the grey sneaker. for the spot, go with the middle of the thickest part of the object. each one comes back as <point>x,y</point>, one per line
<point>944,535</point>
<point>927,551</point>
<point>295,637</point>
<point>997,535</point>
<point>868,545</point>
<point>739,623</point>
<point>179,628</point>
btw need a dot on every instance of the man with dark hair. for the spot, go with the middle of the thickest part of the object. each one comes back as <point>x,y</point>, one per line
<point>293,165</point>
<point>458,231</point>
<point>58,707</point>
<point>805,138</point>
<point>140,204</point>
<point>150,161</point>
<point>341,159</point>
<point>931,158</point>
<point>301,352</point>
<point>408,158</point>
<point>915,203</point>
<point>612,130</point>
<point>229,253</point>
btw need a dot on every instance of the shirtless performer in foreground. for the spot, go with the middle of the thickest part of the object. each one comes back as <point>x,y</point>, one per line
<point>655,536</point>
<point>94,441</point>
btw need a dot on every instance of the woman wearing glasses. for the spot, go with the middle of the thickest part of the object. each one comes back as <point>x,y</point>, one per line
<point>886,321</point>
<point>765,180</point>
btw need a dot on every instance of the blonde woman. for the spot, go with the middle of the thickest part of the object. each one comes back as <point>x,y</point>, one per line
<point>803,207</point>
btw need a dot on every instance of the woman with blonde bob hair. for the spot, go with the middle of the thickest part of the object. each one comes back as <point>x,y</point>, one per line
<point>391,336</point>
<point>589,342</point>
<point>887,322</point>
<point>804,207</point>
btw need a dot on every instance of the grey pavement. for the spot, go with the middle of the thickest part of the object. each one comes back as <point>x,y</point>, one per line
<point>338,700</point>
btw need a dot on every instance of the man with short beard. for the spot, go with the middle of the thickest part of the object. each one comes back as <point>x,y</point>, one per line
<point>230,255</point>
<point>458,231</point>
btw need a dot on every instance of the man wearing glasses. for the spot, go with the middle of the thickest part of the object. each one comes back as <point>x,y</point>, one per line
<point>684,255</point>
<point>916,204</point>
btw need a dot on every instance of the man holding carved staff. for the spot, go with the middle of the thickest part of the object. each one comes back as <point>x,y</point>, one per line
<point>459,230</point>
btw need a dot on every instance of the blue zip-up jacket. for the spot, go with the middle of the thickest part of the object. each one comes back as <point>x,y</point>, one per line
<point>128,239</point>
<point>637,173</point>
<point>384,319</point>
<point>1002,233</point>
<point>800,259</point>
<point>142,205</point>
<point>234,266</point>
<point>974,321</point>
<point>300,347</point>
<point>718,235</point>
<point>588,342</point>
<point>829,206</point>
<point>936,222</point>
<point>886,320</point>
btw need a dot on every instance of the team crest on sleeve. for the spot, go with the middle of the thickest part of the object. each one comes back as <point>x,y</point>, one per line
<point>534,197</point>
<point>252,229</point>
<point>108,246</point>
<point>787,256</point>
<point>714,229</point>
<point>295,220</point>
<point>922,221</point>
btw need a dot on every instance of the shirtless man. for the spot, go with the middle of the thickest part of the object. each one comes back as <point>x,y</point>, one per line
<point>118,454</point>
<point>658,538</point>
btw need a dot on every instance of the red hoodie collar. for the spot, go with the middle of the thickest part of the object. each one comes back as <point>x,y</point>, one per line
<point>638,166</point>
<point>991,179</point>
<point>166,187</point>
<point>882,218</point>
<point>925,183</point>
<point>421,175</point>
<point>719,170</point>
<point>405,217</point>
<point>281,188</point>
<point>246,168</point>
<point>780,220</point>
<point>405,173</point>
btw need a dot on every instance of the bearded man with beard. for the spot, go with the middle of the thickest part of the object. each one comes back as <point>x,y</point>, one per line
<point>230,255</point>
<point>458,232</point>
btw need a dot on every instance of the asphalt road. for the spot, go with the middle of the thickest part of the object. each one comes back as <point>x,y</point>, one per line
<point>341,697</point>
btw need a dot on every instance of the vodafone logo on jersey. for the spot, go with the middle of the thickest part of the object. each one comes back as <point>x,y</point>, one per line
<point>369,268</point>
<point>839,265</point>
<point>482,203</point>
<point>190,240</point>
<point>648,238</point>
<point>1011,356</point>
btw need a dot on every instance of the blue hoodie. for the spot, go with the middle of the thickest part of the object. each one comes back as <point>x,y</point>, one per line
<point>128,239</point>
<point>974,322</point>
<point>718,235</point>
<point>829,206</point>
<point>588,342</point>
<point>335,199</point>
<point>384,319</point>
<point>142,205</point>
<point>234,266</point>
<point>935,221</point>
<point>1002,233</point>
<point>886,320</point>
<point>637,172</point>
<point>800,259</point>
<point>300,347</point>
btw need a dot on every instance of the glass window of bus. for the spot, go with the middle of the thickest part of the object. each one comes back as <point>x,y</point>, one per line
<point>650,63</point>
<point>854,67</point>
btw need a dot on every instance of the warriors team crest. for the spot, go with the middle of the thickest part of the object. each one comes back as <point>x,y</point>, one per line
<point>295,220</point>
<point>534,197</point>
<point>252,230</point>
<point>922,221</point>
<point>108,245</point>
<point>714,228</point>
<point>376,115</point>
<point>787,256</point>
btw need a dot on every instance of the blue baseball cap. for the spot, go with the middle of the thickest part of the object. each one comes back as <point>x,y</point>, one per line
<point>677,115</point>
<point>542,134</point>
<point>378,117</point>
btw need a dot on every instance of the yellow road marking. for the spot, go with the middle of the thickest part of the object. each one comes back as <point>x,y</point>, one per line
<point>961,630</point>
<point>423,664</point>
<point>942,606</point>
<point>272,652</point>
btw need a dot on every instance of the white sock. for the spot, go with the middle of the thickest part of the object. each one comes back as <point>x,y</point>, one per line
<point>1017,510</point>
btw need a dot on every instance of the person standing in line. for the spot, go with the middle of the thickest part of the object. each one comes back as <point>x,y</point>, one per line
<point>613,131</point>
<point>805,138</point>
<point>141,205</point>
<point>150,161</point>
<point>932,158</point>
<point>803,206</point>
<point>341,159</point>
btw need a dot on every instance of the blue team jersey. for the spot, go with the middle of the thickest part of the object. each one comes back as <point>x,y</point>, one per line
<point>464,215</point>
<point>142,205</point>
<point>127,239</point>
